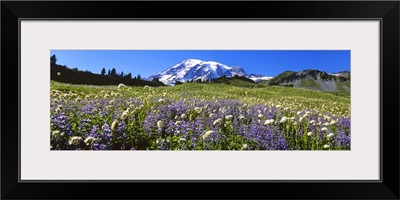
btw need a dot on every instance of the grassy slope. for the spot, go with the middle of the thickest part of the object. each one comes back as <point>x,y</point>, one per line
<point>310,84</point>
<point>294,98</point>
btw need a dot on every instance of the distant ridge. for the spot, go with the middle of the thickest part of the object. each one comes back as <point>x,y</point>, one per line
<point>313,80</point>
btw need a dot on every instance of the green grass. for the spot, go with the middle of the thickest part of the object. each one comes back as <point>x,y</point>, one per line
<point>91,109</point>
<point>288,97</point>
<point>309,84</point>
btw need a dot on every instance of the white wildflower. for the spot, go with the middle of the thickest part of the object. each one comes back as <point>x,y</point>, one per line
<point>161,101</point>
<point>160,124</point>
<point>159,140</point>
<point>278,106</point>
<point>58,73</point>
<point>269,121</point>
<point>260,115</point>
<point>89,140</point>
<point>228,117</point>
<point>218,121</point>
<point>330,135</point>
<point>55,133</point>
<point>183,116</point>
<point>114,126</point>
<point>310,133</point>
<point>245,146</point>
<point>293,118</point>
<point>120,86</point>
<point>223,110</point>
<point>312,122</point>
<point>207,134</point>
<point>182,139</point>
<point>211,115</point>
<point>283,120</point>
<point>326,146</point>
<point>124,114</point>
<point>178,123</point>
<point>58,109</point>
<point>324,129</point>
<point>333,122</point>
<point>198,109</point>
<point>75,140</point>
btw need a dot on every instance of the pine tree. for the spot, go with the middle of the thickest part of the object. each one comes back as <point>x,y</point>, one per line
<point>128,76</point>
<point>53,59</point>
<point>114,72</point>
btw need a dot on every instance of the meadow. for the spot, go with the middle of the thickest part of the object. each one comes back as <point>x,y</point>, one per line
<point>195,116</point>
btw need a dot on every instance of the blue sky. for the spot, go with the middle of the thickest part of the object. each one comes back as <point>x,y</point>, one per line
<point>149,62</point>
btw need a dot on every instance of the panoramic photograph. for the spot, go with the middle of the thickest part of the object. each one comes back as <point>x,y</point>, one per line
<point>184,100</point>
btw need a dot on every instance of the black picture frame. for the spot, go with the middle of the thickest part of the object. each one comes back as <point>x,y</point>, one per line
<point>386,11</point>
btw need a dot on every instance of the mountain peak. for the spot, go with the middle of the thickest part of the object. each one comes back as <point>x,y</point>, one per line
<point>192,61</point>
<point>195,69</point>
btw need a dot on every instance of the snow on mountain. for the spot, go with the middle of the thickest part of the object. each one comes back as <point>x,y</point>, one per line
<point>258,77</point>
<point>194,69</point>
<point>341,73</point>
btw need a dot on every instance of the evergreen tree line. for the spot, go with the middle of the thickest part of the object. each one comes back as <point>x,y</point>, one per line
<point>62,73</point>
<point>113,73</point>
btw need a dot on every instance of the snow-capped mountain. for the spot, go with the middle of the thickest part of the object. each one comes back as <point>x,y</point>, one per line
<point>194,69</point>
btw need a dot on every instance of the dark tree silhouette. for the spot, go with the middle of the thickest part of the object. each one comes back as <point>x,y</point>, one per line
<point>128,76</point>
<point>139,77</point>
<point>113,72</point>
<point>109,73</point>
<point>122,74</point>
<point>53,59</point>
<point>103,72</point>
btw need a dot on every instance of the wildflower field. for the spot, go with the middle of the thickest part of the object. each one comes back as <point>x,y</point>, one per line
<point>196,116</point>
